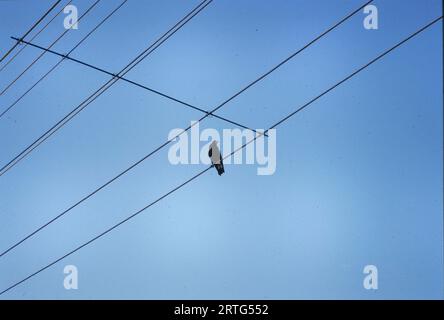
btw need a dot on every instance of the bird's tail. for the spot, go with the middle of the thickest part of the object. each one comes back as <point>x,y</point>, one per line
<point>220,169</point>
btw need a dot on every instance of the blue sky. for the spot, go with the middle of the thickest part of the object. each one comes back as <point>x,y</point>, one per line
<point>359,173</point>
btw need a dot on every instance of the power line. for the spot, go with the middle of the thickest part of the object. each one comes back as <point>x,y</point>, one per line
<point>66,56</point>
<point>128,81</point>
<point>30,29</point>
<point>172,139</point>
<point>229,155</point>
<point>52,44</point>
<point>134,62</point>
<point>104,87</point>
<point>80,107</point>
<point>356,72</point>
<point>33,37</point>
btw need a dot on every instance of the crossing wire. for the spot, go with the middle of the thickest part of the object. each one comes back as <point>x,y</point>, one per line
<point>43,53</point>
<point>33,37</point>
<point>104,87</point>
<point>66,56</point>
<point>229,155</point>
<point>30,29</point>
<point>168,141</point>
<point>186,104</point>
<point>85,103</point>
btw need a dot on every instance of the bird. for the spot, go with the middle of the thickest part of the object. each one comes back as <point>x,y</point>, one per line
<point>216,158</point>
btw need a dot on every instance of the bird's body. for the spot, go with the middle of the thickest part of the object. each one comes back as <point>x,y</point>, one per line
<point>216,158</point>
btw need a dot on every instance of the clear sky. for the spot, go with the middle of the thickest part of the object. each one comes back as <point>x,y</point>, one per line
<point>358,178</point>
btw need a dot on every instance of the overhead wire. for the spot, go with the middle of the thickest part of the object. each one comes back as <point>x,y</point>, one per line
<point>91,98</point>
<point>52,44</point>
<point>33,37</point>
<point>167,96</point>
<point>229,155</point>
<point>135,164</point>
<point>66,56</point>
<point>104,87</point>
<point>30,29</point>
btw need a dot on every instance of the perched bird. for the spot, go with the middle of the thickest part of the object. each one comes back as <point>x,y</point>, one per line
<point>216,157</point>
